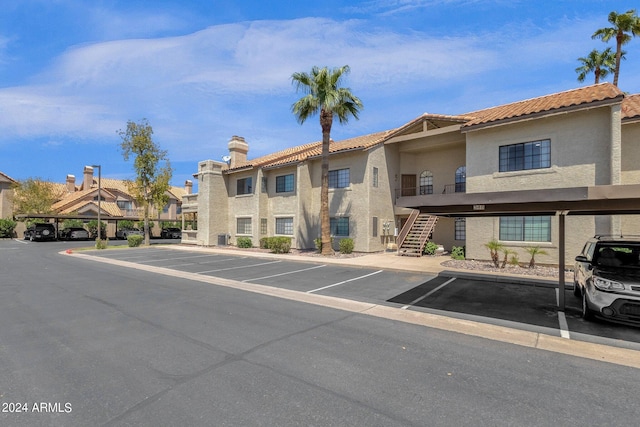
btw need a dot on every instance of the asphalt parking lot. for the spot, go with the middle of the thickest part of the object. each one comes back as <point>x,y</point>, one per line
<point>522,306</point>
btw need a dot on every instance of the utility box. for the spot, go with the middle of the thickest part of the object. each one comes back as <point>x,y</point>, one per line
<point>223,239</point>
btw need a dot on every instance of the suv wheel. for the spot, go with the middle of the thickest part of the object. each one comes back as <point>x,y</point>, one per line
<point>587,314</point>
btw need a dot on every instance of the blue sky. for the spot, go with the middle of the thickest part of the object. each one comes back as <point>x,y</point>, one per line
<point>73,72</point>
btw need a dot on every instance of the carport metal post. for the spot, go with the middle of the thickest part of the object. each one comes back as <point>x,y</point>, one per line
<point>99,197</point>
<point>561,249</point>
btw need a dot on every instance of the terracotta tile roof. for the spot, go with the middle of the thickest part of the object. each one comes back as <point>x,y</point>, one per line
<point>110,208</point>
<point>314,149</point>
<point>556,101</point>
<point>631,107</point>
<point>177,192</point>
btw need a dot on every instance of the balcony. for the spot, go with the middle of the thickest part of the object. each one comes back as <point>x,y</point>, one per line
<point>427,190</point>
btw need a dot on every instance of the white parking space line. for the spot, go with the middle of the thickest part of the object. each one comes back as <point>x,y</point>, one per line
<point>562,319</point>
<point>343,282</point>
<point>182,257</point>
<point>284,274</point>
<point>204,262</point>
<point>21,241</point>
<point>240,266</point>
<point>431,292</point>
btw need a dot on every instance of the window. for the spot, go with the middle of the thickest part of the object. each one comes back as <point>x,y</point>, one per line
<point>165,208</point>
<point>525,228</point>
<point>243,225</point>
<point>426,182</point>
<point>264,184</point>
<point>125,204</point>
<point>375,226</point>
<point>339,178</point>
<point>284,226</point>
<point>460,229</point>
<point>284,183</point>
<point>263,225</point>
<point>339,226</point>
<point>244,186</point>
<point>529,155</point>
<point>461,179</point>
<point>375,177</point>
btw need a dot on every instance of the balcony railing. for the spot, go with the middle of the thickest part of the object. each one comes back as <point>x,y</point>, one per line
<point>425,190</point>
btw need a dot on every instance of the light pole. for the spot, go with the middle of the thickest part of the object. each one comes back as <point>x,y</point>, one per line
<point>99,198</point>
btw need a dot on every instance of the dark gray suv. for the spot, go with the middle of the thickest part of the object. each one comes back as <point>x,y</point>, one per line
<point>607,278</point>
<point>39,232</point>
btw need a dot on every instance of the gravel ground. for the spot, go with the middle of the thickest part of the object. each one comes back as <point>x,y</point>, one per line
<point>538,270</point>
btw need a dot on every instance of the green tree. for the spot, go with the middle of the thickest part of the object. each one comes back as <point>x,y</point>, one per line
<point>624,27</point>
<point>598,63</point>
<point>324,95</point>
<point>152,180</point>
<point>33,195</point>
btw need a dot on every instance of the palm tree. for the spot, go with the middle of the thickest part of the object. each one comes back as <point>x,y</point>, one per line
<point>533,251</point>
<point>324,95</point>
<point>625,27</point>
<point>598,63</point>
<point>494,248</point>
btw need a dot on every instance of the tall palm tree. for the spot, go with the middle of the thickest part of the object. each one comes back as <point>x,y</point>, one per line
<point>625,27</point>
<point>324,95</point>
<point>598,63</point>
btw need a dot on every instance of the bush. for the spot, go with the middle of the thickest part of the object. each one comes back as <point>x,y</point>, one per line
<point>264,243</point>
<point>126,225</point>
<point>68,223</point>
<point>245,242</point>
<point>101,244</point>
<point>135,240</point>
<point>278,245</point>
<point>6,227</point>
<point>457,252</point>
<point>346,245</point>
<point>430,248</point>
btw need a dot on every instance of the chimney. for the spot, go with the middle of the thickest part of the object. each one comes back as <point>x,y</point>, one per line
<point>188,186</point>
<point>238,150</point>
<point>88,178</point>
<point>71,183</point>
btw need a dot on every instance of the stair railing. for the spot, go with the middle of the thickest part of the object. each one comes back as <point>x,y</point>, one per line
<point>406,228</point>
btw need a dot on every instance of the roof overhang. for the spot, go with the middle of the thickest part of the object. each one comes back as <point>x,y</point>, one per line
<point>595,200</point>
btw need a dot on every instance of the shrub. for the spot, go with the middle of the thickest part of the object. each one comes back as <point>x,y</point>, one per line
<point>280,245</point>
<point>245,242</point>
<point>430,248</point>
<point>126,225</point>
<point>134,240</point>
<point>514,260</point>
<point>457,252</point>
<point>101,244</point>
<point>6,227</point>
<point>92,226</point>
<point>346,245</point>
<point>264,243</point>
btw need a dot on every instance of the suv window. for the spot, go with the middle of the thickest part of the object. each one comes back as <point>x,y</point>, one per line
<point>614,254</point>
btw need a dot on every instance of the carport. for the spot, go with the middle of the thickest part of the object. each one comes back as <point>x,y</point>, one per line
<point>560,202</point>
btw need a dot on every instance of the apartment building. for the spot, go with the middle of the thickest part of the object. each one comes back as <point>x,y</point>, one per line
<point>532,156</point>
<point>6,192</point>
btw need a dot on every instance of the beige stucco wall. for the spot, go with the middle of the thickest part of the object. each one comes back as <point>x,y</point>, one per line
<point>6,205</point>
<point>379,200</point>
<point>213,203</point>
<point>580,156</point>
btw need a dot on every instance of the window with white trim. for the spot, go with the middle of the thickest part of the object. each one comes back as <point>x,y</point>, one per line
<point>426,182</point>
<point>284,226</point>
<point>243,225</point>
<point>244,186</point>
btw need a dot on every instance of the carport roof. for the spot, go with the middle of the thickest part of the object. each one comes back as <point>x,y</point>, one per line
<point>593,200</point>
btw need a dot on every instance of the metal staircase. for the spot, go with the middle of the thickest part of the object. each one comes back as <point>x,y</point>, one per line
<point>415,233</point>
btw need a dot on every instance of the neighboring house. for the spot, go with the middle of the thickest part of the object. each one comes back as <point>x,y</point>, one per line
<point>556,144</point>
<point>116,202</point>
<point>6,196</point>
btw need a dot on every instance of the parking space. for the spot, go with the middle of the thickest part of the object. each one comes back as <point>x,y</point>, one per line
<point>523,306</point>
